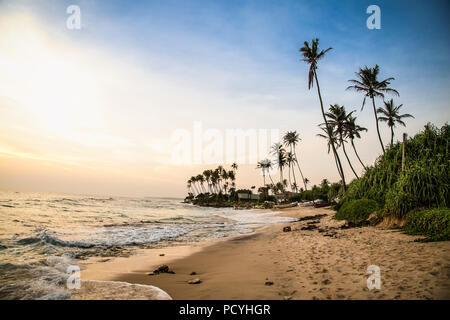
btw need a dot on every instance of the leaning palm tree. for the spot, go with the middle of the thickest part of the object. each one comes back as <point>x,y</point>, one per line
<point>201,179</point>
<point>332,139</point>
<point>280,155</point>
<point>352,131</point>
<point>290,163</point>
<point>311,55</point>
<point>391,115</point>
<point>207,175</point>
<point>368,84</point>
<point>337,117</point>
<point>291,139</point>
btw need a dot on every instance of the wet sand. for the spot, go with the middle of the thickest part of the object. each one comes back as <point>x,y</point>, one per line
<point>300,264</point>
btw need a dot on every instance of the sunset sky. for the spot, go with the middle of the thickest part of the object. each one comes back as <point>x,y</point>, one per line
<point>92,111</point>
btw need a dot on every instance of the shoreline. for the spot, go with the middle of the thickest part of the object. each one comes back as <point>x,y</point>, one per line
<point>321,261</point>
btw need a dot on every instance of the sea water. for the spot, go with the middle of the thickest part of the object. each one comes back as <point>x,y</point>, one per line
<point>41,234</point>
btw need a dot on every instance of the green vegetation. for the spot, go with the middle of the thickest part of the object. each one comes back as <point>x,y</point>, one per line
<point>425,183</point>
<point>357,210</point>
<point>434,223</point>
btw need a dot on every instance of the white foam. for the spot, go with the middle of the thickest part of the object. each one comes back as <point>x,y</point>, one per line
<point>118,290</point>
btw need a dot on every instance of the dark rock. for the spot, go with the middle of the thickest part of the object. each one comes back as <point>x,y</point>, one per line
<point>162,255</point>
<point>286,229</point>
<point>326,281</point>
<point>315,217</point>
<point>268,283</point>
<point>193,273</point>
<point>309,227</point>
<point>162,269</point>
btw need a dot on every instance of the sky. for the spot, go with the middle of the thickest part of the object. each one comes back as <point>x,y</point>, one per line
<point>94,110</point>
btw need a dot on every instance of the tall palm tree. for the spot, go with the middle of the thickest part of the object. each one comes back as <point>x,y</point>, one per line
<point>291,139</point>
<point>352,131</point>
<point>368,84</point>
<point>189,186</point>
<point>262,166</point>
<point>337,117</point>
<point>207,175</point>
<point>311,55</point>
<point>193,181</point>
<point>290,160</point>
<point>332,139</point>
<point>200,178</point>
<point>391,115</point>
<point>280,155</point>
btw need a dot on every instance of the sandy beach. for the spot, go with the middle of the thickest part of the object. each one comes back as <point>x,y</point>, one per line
<point>322,261</point>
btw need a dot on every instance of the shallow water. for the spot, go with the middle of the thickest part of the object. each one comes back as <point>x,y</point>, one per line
<point>41,234</point>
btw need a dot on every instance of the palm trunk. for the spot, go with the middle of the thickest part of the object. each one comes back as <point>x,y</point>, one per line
<point>289,175</point>
<point>338,160</point>
<point>345,152</point>
<point>376,119</point>
<point>301,173</point>
<point>357,155</point>
<point>392,136</point>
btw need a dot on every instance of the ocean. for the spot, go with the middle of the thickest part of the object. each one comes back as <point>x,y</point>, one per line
<point>41,234</point>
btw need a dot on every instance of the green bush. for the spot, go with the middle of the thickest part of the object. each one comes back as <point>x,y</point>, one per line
<point>356,210</point>
<point>433,223</point>
<point>424,183</point>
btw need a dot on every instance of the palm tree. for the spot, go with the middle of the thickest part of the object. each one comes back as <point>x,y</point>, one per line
<point>311,55</point>
<point>261,165</point>
<point>193,181</point>
<point>390,114</point>
<point>306,181</point>
<point>189,186</point>
<point>234,166</point>
<point>332,139</point>
<point>290,160</point>
<point>368,84</point>
<point>337,117</point>
<point>291,139</point>
<point>207,175</point>
<point>280,155</point>
<point>201,179</point>
<point>352,131</point>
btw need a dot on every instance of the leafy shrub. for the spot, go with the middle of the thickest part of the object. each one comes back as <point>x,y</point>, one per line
<point>265,197</point>
<point>356,210</point>
<point>433,223</point>
<point>424,183</point>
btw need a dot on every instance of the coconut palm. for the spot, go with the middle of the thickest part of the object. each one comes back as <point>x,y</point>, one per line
<point>207,175</point>
<point>291,139</point>
<point>200,178</point>
<point>290,160</point>
<point>368,84</point>
<point>261,165</point>
<point>337,117</point>
<point>391,115</point>
<point>353,131</point>
<point>280,155</point>
<point>311,55</point>
<point>332,139</point>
